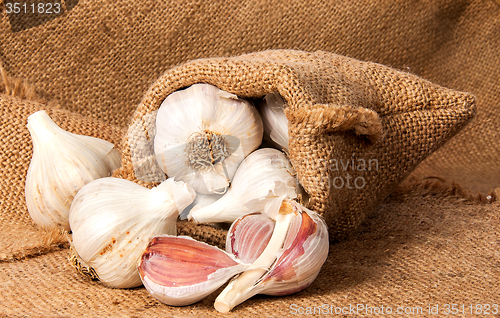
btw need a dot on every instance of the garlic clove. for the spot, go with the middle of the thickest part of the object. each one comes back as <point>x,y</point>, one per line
<point>265,175</point>
<point>62,164</point>
<point>203,134</point>
<point>248,236</point>
<point>290,262</point>
<point>178,270</point>
<point>275,122</point>
<point>113,219</point>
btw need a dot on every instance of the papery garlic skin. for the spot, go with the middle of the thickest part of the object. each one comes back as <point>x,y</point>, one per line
<point>287,264</point>
<point>275,122</point>
<point>179,271</point>
<point>113,219</point>
<point>203,134</point>
<point>265,175</point>
<point>62,164</point>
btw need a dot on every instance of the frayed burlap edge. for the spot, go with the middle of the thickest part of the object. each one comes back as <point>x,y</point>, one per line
<point>439,188</point>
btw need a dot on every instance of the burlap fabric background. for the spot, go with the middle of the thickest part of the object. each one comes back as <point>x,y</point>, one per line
<point>428,244</point>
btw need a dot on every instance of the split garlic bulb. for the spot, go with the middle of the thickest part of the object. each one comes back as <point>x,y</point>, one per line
<point>113,219</point>
<point>264,176</point>
<point>277,255</point>
<point>286,258</point>
<point>275,122</point>
<point>62,164</point>
<point>202,135</point>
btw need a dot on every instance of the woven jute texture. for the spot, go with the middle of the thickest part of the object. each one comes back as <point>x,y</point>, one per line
<point>356,129</point>
<point>417,251</point>
<point>433,242</point>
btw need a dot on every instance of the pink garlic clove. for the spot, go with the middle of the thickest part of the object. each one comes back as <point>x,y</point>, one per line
<point>178,270</point>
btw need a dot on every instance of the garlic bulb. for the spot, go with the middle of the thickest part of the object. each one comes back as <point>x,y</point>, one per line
<point>62,164</point>
<point>163,269</point>
<point>290,260</point>
<point>275,122</point>
<point>202,135</point>
<point>113,219</point>
<point>265,175</point>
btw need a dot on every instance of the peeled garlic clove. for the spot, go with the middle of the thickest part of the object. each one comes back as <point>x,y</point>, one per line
<point>178,270</point>
<point>265,175</point>
<point>290,262</point>
<point>274,119</point>
<point>203,134</point>
<point>113,219</point>
<point>248,236</point>
<point>62,164</point>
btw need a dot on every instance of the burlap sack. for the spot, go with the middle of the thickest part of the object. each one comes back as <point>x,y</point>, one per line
<point>432,245</point>
<point>356,129</point>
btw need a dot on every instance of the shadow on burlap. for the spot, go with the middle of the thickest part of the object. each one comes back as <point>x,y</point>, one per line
<point>432,243</point>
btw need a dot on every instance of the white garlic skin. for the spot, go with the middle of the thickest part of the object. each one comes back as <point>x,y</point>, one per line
<point>62,164</point>
<point>275,122</point>
<point>196,111</point>
<point>266,175</point>
<point>113,219</point>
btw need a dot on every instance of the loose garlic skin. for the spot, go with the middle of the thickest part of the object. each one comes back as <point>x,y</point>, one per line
<point>113,219</point>
<point>61,165</point>
<point>275,122</point>
<point>202,135</point>
<point>266,175</point>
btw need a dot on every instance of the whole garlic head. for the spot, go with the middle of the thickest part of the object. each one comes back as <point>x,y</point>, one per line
<point>113,219</point>
<point>62,164</point>
<point>202,135</point>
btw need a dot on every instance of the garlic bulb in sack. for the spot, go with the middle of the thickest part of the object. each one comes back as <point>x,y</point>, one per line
<point>113,219</point>
<point>62,164</point>
<point>275,122</point>
<point>265,175</point>
<point>290,259</point>
<point>202,135</point>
